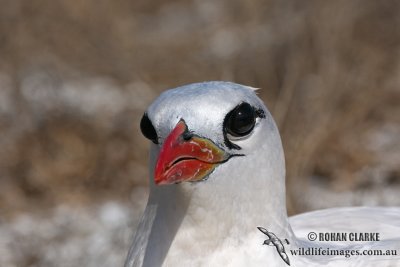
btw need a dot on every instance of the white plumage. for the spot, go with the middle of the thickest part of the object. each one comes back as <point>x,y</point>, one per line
<point>232,183</point>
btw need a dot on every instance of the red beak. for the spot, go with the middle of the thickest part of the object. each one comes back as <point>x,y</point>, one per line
<point>186,157</point>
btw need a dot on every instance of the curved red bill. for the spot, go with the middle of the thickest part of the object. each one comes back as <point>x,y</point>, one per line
<point>186,159</point>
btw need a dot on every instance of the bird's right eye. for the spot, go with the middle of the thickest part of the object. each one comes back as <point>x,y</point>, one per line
<point>148,130</point>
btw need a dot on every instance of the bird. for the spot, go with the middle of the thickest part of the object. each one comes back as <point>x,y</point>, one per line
<point>217,173</point>
<point>273,240</point>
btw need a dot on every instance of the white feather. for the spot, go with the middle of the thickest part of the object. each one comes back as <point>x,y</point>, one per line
<point>214,222</point>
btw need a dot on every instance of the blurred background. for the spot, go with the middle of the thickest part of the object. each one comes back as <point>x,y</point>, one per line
<point>76,77</point>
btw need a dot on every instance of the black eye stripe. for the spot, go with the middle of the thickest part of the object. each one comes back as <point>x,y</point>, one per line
<point>147,129</point>
<point>260,113</point>
<point>239,122</point>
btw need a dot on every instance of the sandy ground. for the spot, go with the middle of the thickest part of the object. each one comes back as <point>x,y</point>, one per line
<point>93,235</point>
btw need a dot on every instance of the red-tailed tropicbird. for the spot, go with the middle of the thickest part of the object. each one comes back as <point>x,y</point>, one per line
<point>217,192</point>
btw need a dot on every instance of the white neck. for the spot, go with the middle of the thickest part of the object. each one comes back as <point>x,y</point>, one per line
<point>239,197</point>
<point>229,206</point>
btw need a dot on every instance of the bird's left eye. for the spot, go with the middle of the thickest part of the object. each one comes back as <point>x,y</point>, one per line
<point>240,121</point>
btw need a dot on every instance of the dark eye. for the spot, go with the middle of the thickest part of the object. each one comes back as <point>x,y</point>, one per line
<point>148,130</point>
<point>240,121</point>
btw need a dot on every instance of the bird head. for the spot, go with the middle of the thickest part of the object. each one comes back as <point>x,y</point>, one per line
<point>199,127</point>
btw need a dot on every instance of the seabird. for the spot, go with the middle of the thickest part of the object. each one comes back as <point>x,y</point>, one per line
<point>217,174</point>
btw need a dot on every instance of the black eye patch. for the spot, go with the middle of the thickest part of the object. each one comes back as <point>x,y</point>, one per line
<point>239,122</point>
<point>147,129</point>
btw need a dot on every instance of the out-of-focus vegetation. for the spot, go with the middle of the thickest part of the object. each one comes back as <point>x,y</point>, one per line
<point>76,76</point>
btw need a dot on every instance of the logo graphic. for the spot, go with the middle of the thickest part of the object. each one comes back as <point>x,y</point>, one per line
<point>273,240</point>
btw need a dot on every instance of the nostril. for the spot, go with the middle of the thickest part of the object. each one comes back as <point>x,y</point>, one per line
<point>187,135</point>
